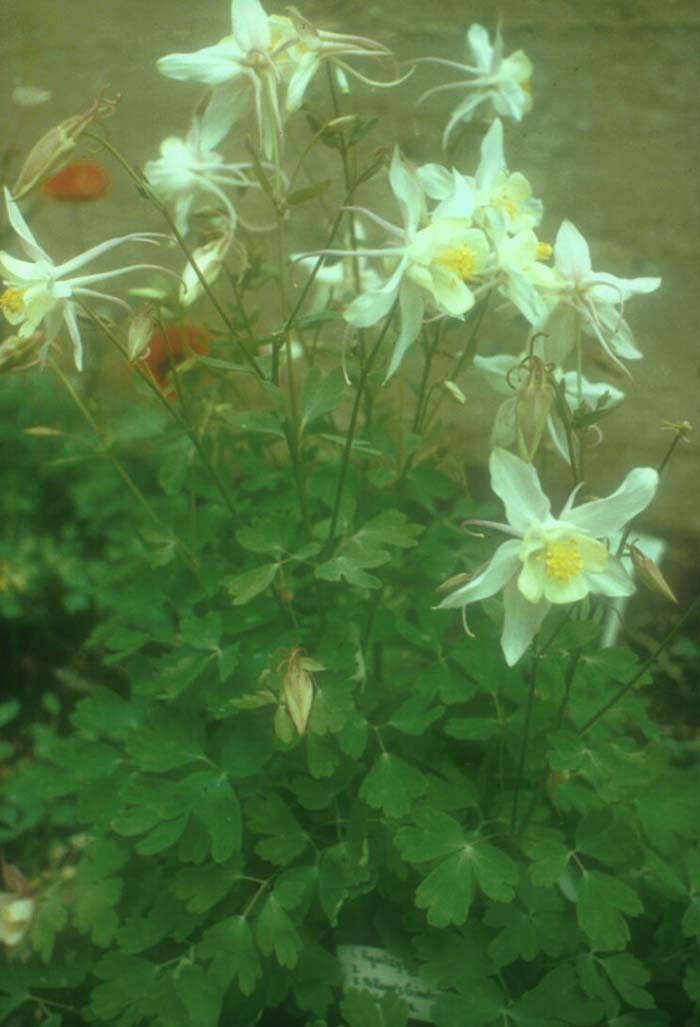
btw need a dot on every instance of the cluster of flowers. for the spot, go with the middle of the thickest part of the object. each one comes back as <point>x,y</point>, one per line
<point>461,238</point>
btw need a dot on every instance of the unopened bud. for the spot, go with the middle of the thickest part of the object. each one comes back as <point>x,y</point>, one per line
<point>532,403</point>
<point>141,330</point>
<point>14,879</point>
<point>209,260</point>
<point>454,390</point>
<point>17,354</point>
<point>284,728</point>
<point>298,690</point>
<point>649,574</point>
<point>52,151</point>
<point>16,915</point>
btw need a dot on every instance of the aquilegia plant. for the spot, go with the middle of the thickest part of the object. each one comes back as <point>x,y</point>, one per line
<point>272,773</point>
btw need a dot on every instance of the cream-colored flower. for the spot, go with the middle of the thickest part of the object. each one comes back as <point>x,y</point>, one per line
<point>551,561</point>
<point>39,292</point>
<point>16,914</point>
<point>504,81</point>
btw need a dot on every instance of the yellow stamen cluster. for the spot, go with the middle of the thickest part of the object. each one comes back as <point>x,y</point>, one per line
<point>544,251</point>
<point>459,259</point>
<point>563,559</point>
<point>12,300</point>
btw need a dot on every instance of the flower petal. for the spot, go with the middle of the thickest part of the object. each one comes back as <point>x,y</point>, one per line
<point>492,159</point>
<point>496,370</point>
<point>480,46</point>
<point>502,567</point>
<point>29,243</point>
<point>612,581</point>
<point>522,622</point>
<point>407,190</point>
<point>606,516</point>
<point>412,310</point>
<point>211,66</point>
<point>571,253</point>
<point>517,485</point>
<point>251,26</point>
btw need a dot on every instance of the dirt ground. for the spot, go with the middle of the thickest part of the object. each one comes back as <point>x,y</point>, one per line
<point>612,144</point>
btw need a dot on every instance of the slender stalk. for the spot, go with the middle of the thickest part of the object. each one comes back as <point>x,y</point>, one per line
<point>119,467</point>
<point>364,375</point>
<point>649,662</point>
<point>211,470</point>
<point>524,745</point>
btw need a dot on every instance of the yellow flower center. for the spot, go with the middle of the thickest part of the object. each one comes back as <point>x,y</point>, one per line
<point>563,559</point>
<point>12,300</point>
<point>459,259</point>
<point>544,251</point>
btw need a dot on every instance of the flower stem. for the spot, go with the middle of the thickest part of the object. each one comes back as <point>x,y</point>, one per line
<point>524,745</point>
<point>649,662</point>
<point>119,466</point>
<point>155,390</point>
<point>364,375</point>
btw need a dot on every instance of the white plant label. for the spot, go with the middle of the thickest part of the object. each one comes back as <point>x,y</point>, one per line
<point>378,971</point>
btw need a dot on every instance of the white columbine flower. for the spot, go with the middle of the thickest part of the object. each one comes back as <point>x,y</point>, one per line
<point>551,560</point>
<point>507,191</point>
<point>243,66</point>
<point>308,47</point>
<point>505,81</point>
<point>580,297</point>
<point>190,168</point>
<point>505,377</point>
<point>436,265</point>
<point>40,293</point>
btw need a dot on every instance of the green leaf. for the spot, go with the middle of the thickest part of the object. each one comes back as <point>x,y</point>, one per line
<point>361,1009</point>
<point>269,815</point>
<point>435,835</point>
<point>174,465</point>
<point>199,995</point>
<point>602,901</point>
<point>127,979</point>
<point>496,873</point>
<point>244,587</point>
<point>104,712</point>
<point>609,837</point>
<point>557,1000</point>
<point>413,717</point>
<point>276,933</point>
<point>448,891</point>
<point>568,751</point>
<point>528,929</point>
<point>162,836</point>
<point>321,395</point>
<point>551,859</point>
<point>310,192</point>
<point>367,549</point>
<point>392,785</point>
<point>8,711</point>
<point>92,909</point>
<point>629,977</point>
<point>231,941</point>
<point>482,1004</point>
<point>170,740</point>
<point>202,887</point>
<point>219,810</point>
<point>472,729</point>
<point>265,535</point>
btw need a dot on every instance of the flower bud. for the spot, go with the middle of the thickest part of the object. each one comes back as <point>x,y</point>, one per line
<point>649,574</point>
<point>141,330</point>
<point>454,390</point>
<point>16,915</point>
<point>209,259</point>
<point>298,691</point>
<point>532,406</point>
<point>52,151</point>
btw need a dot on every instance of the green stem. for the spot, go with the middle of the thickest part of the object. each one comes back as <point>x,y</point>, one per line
<point>364,375</point>
<point>155,390</point>
<point>119,467</point>
<point>621,692</point>
<point>525,744</point>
